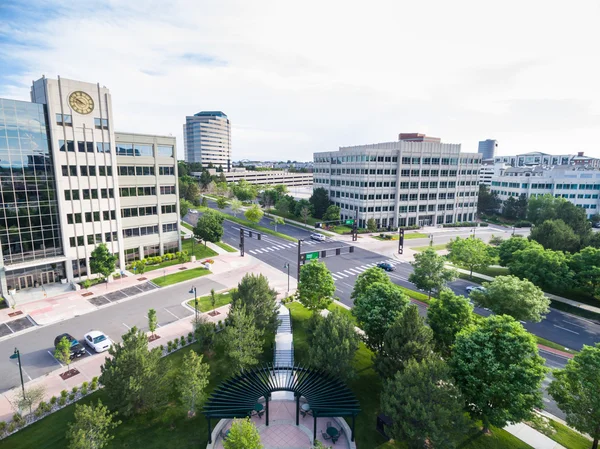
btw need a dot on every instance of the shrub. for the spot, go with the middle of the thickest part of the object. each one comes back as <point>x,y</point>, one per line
<point>220,325</point>
<point>93,385</point>
<point>62,401</point>
<point>84,385</point>
<point>86,284</point>
<point>523,224</point>
<point>84,390</point>
<point>162,348</point>
<point>3,426</point>
<point>72,397</point>
<point>74,390</point>
<point>38,412</point>
<point>182,341</point>
<point>12,427</point>
<point>18,419</point>
<point>64,393</point>
<point>169,345</point>
<point>53,400</point>
<point>190,337</point>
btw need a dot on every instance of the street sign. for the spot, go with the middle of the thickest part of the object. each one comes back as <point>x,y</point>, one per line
<point>349,222</point>
<point>312,256</point>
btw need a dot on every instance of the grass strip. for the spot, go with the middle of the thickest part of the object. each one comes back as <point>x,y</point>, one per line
<point>226,247</point>
<point>551,344</point>
<point>184,275</point>
<point>187,226</point>
<point>262,229</point>
<point>568,437</point>
<point>420,249</point>
<point>204,304</point>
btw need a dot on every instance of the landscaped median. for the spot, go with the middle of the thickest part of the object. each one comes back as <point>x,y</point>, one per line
<point>184,275</point>
<point>226,247</point>
<point>205,302</point>
<point>262,229</point>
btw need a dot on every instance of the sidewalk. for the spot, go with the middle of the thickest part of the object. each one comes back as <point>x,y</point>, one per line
<point>529,435</point>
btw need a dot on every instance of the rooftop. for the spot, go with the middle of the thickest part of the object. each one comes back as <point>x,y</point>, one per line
<point>211,114</point>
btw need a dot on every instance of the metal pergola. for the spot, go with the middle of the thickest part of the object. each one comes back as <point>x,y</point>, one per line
<point>327,396</point>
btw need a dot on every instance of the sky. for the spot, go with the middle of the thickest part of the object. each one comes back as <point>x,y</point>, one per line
<point>301,77</point>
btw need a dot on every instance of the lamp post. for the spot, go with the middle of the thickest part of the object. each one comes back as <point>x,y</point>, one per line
<point>430,239</point>
<point>473,231</point>
<point>17,355</point>
<point>513,233</point>
<point>164,275</point>
<point>287,265</point>
<point>193,289</point>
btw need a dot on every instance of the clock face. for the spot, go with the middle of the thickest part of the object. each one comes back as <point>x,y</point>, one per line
<point>81,102</point>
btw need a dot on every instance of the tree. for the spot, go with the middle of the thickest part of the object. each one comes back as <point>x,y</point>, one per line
<point>495,240</point>
<point>32,396</point>
<point>332,213</point>
<point>408,338</point>
<point>305,214</point>
<point>102,261</point>
<point>242,339</point>
<point>366,279</point>
<point>509,208</point>
<point>447,316</point>
<point>545,268</point>
<point>425,405</point>
<point>429,273</point>
<point>184,207</point>
<point>254,214</point>
<point>205,179</point>
<point>487,202</point>
<point>376,309</point>
<point>282,206</point>
<point>277,221</point>
<point>300,205</point>
<point>319,201</point>
<point>269,197</point>
<point>135,378</point>
<point>509,247</point>
<point>547,207</point>
<point>62,353</point>
<point>192,192</point>
<point>192,380</point>
<point>235,205</point>
<point>333,343</point>
<point>209,227</point>
<point>204,202</point>
<point>221,202</point>
<point>521,207</point>
<point>470,253</point>
<point>243,434</point>
<point>509,295</point>
<point>595,219</point>
<point>152,321</point>
<point>541,208</point>
<point>586,268</point>
<point>92,426</point>
<point>260,300</point>
<point>497,367</point>
<point>244,191</point>
<point>316,286</point>
<point>555,235</point>
<point>575,390</point>
<point>204,331</point>
<point>371,225</point>
<point>213,298</point>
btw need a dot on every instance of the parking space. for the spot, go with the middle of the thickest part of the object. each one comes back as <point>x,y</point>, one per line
<point>98,301</point>
<point>121,294</point>
<point>4,330</point>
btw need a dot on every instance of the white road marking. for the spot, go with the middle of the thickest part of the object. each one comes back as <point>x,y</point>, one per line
<point>573,324</point>
<point>280,247</point>
<point>347,285</point>
<point>341,291</point>
<point>259,251</point>
<point>126,325</point>
<point>349,272</point>
<point>88,352</point>
<point>6,324</point>
<point>335,276</point>
<point>252,252</point>
<point>55,359</point>
<point>171,313</point>
<point>339,273</point>
<point>565,329</point>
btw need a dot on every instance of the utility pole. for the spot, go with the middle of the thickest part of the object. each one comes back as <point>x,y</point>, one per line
<point>241,242</point>
<point>299,257</point>
<point>400,240</point>
<point>287,265</point>
<point>355,226</point>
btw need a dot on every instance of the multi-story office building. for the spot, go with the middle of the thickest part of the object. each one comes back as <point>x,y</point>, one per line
<point>579,185</point>
<point>401,183</point>
<point>538,158</point>
<point>61,184</point>
<point>487,148</point>
<point>207,139</point>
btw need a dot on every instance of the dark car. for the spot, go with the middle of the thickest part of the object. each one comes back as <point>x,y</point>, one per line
<point>386,266</point>
<point>77,349</point>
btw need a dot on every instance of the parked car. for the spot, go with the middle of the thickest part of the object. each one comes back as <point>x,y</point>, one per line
<point>98,341</point>
<point>193,211</point>
<point>318,237</point>
<point>475,288</point>
<point>386,266</point>
<point>77,349</point>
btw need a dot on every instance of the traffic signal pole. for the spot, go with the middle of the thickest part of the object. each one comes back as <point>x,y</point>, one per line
<point>241,242</point>
<point>299,258</point>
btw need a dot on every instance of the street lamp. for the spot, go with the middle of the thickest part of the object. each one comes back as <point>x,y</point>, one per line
<point>513,233</point>
<point>473,231</point>
<point>193,290</point>
<point>430,239</point>
<point>287,265</point>
<point>164,275</point>
<point>17,355</point>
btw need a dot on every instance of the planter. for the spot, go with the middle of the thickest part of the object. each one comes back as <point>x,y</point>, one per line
<point>63,281</point>
<point>193,259</point>
<point>12,291</point>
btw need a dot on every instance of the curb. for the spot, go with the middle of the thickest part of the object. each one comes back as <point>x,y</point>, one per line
<point>555,351</point>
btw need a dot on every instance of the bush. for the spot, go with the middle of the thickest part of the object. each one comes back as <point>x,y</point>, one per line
<point>53,400</point>
<point>523,224</point>
<point>64,393</point>
<point>18,419</point>
<point>93,385</point>
<point>12,427</point>
<point>220,325</point>
<point>74,390</point>
<point>62,401</point>
<point>190,337</point>
<point>3,426</point>
<point>84,385</point>
<point>465,224</point>
<point>182,341</point>
<point>86,284</point>
<point>72,397</point>
<point>162,348</point>
<point>169,346</point>
<point>38,412</point>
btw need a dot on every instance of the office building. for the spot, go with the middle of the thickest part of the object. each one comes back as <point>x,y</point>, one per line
<point>401,183</point>
<point>579,185</point>
<point>538,158</point>
<point>487,148</point>
<point>61,180</point>
<point>207,139</point>
<point>265,177</point>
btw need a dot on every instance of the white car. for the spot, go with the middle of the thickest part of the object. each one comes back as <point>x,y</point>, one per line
<point>98,341</point>
<point>193,211</point>
<point>318,237</point>
<point>475,288</point>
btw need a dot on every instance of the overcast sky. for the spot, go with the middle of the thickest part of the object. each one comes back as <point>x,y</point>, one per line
<point>306,76</point>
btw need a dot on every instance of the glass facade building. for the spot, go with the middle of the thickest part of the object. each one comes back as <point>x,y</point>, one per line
<point>29,222</point>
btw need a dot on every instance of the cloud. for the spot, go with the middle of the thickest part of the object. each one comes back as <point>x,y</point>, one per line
<point>295,78</point>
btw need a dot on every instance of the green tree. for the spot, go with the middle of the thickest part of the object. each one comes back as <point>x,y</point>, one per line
<point>204,202</point>
<point>319,201</point>
<point>547,207</point>
<point>509,295</point>
<point>424,404</point>
<point>575,390</point>
<point>62,352</point>
<point>92,427</point>
<point>213,299</point>
<point>541,208</point>
<point>209,227</point>
<point>447,316</point>
<point>332,213</point>
<point>497,367</point>
<point>470,253</point>
<point>277,221</point>
<point>366,279</point>
<point>586,268</point>
<point>204,332</point>
<point>205,179</point>
<point>333,344</point>
<point>487,202</point>
<point>254,214</point>
<point>555,235</point>
<point>316,286</point>
<point>184,207</point>
<point>243,434</point>
<point>152,321</point>
<point>282,206</point>
<point>191,192</point>
<point>509,247</point>
<point>242,339</point>
<point>300,205</point>
<point>269,197</point>
<point>545,268</point>
<point>371,225</point>
<point>235,206</point>
<point>192,380</point>
<point>102,261</point>
<point>408,338</point>
<point>221,202</point>
<point>429,272</point>
<point>260,300</point>
<point>135,378</point>
<point>244,191</point>
<point>595,219</point>
<point>509,208</point>
<point>305,214</point>
<point>376,309</point>
<point>496,240</point>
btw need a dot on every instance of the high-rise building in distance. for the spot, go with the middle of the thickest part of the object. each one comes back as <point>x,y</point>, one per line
<point>487,148</point>
<point>207,139</point>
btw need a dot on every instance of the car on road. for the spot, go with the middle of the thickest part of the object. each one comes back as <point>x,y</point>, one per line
<point>98,341</point>
<point>77,349</point>
<point>193,211</point>
<point>386,266</point>
<point>318,237</point>
<point>475,288</point>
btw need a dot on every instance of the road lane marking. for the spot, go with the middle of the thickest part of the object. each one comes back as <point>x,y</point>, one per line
<point>341,291</point>
<point>349,272</point>
<point>126,325</point>
<point>252,252</point>
<point>339,273</point>
<point>334,276</point>
<point>55,359</point>
<point>88,352</point>
<point>573,324</point>
<point>565,329</point>
<point>347,285</point>
<point>171,313</point>
<point>354,270</point>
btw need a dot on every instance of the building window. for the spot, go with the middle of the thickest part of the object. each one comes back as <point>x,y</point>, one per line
<point>101,123</point>
<point>142,150</point>
<point>170,227</point>
<point>66,145</point>
<point>166,171</point>
<point>64,120</point>
<point>164,150</point>
<point>102,147</point>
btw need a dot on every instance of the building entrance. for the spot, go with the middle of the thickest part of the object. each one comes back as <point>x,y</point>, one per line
<point>25,281</point>
<point>48,277</point>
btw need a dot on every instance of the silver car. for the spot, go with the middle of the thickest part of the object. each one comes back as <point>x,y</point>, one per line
<point>318,237</point>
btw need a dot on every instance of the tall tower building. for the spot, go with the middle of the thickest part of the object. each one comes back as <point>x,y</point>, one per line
<point>487,148</point>
<point>207,139</point>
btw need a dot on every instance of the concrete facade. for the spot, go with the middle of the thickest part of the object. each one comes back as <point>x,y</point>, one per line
<point>207,139</point>
<point>539,158</point>
<point>265,177</point>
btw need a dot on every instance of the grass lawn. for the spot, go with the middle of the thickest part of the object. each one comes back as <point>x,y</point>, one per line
<point>551,344</point>
<point>423,248</point>
<point>201,252</point>
<point>184,275</point>
<point>568,437</point>
<point>248,224</point>
<point>204,304</point>
<point>226,247</point>
<point>407,236</point>
<point>333,306</point>
<point>495,271</point>
<point>187,226</point>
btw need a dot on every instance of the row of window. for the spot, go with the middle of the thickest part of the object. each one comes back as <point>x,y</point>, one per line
<point>100,123</point>
<point>140,170</point>
<point>138,211</point>
<point>91,216</point>
<point>586,196</point>
<point>547,186</point>
<point>145,191</point>
<point>169,209</point>
<point>87,194</point>
<point>83,147</point>
<point>343,182</point>
<point>141,149</point>
<point>360,196</point>
<point>405,160</point>
<point>170,227</point>
<point>136,232</point>
<point>93,239</point>
<point>442,173</point>
<point>64,120</point>
<point>86,170</point>
<point>166,171</point>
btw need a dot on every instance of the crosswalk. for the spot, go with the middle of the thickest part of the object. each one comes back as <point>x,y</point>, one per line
<point>279,247</point>
<point>355,271</point>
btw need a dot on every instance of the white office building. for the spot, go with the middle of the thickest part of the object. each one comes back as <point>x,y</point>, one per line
<point>538,158</point>
<point>207,139</point>
<point>401,183</point>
